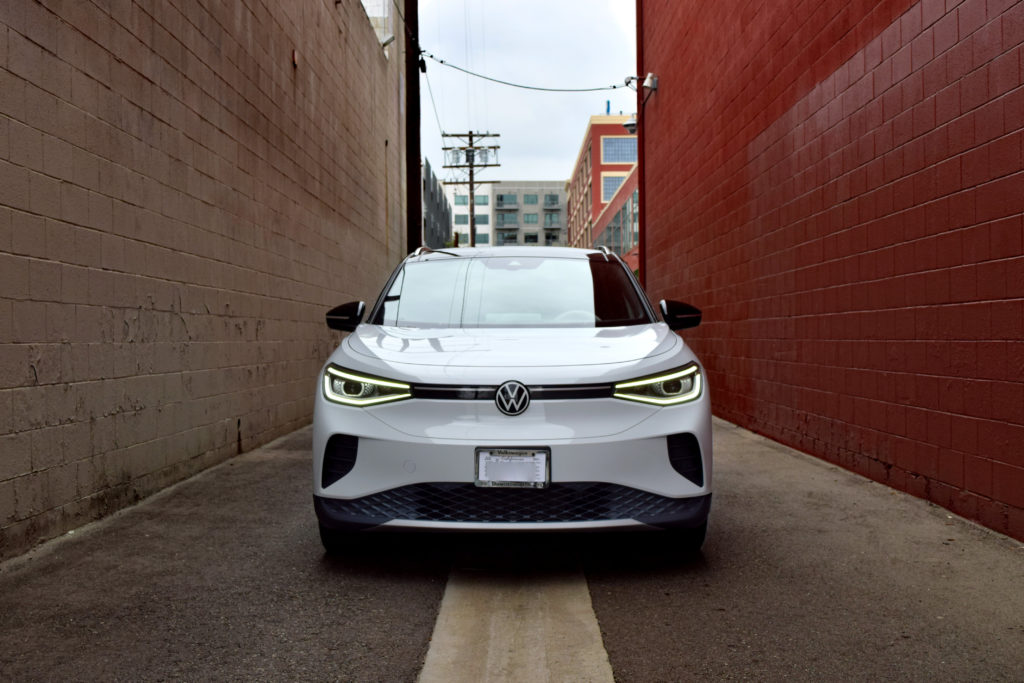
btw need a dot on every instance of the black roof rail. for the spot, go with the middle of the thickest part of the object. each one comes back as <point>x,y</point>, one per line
<point>420,251</point>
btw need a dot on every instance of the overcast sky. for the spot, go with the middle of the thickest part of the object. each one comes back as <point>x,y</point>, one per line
<point>547,43</point>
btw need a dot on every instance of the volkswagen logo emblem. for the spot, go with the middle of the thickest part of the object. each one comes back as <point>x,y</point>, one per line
<point>513,398</point>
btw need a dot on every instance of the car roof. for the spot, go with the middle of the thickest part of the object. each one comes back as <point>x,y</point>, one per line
<point>425,253</point>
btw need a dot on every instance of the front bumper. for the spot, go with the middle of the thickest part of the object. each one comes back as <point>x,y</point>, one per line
<point>612,464</point>
<point>460,506</point>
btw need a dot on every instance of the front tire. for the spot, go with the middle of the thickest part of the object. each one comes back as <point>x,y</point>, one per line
<point>335,541</point>
<point>689,541</point>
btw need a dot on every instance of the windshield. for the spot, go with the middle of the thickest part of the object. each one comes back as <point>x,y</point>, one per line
<point>520,291</point>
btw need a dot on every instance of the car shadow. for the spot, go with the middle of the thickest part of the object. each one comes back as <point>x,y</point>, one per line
<point>605,553</point>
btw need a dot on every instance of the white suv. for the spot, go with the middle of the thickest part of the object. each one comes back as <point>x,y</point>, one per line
<point>512,388</point>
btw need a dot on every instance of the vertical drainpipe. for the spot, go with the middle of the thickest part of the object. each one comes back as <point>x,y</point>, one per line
<point>641,125</point>
<point>413,173</point>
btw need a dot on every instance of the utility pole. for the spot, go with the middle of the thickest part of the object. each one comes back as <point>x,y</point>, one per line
<point>413,169</point>
<point>471,155</point>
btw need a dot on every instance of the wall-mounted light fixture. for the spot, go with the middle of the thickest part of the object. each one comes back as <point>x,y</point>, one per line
<point>650,84</point>
<point>630,124</point>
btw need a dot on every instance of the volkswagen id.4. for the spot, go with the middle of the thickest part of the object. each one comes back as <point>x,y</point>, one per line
<point>512,388</point>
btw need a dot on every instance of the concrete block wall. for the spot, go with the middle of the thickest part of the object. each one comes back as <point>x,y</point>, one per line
<point>185,187</point>
<point>840,186</point>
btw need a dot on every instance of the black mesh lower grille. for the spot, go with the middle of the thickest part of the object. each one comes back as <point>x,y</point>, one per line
<point>569,502</point>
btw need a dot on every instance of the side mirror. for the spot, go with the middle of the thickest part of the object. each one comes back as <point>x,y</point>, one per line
<point>678,315</point>
<point>346,316</point>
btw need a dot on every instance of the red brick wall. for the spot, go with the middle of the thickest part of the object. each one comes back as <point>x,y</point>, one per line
<point>179,205</point>
<point>839,185</point>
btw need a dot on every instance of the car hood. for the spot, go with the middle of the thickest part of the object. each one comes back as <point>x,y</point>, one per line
<point>443,354</point>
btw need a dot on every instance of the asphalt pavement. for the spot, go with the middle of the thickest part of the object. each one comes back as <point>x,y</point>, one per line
<point>813,573</point>
<point>809,573</point>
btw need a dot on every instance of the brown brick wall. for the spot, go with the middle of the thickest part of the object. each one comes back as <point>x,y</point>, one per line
<point>840,186</point>
<point>179,205</point>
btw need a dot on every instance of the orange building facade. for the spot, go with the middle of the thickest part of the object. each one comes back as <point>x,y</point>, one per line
<point>606,158</point>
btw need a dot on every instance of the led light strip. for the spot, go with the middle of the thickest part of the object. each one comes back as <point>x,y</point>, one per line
<point>366,380</point>
<point>667,401</point>
<point>348,400</point>
<point>685,372</point>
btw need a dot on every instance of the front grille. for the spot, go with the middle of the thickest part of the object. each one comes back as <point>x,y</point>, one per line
<point>555,392</point>
<point>566,502</point>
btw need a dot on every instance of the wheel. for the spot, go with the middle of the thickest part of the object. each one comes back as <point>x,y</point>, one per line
<point>689,541</point>
<point>335,541</point>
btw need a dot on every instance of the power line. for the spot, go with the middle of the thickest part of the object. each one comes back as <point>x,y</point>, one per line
<point>440,128</point>
<point>517,85</point>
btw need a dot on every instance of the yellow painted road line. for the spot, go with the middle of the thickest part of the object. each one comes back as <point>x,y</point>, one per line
<point>513,627</point>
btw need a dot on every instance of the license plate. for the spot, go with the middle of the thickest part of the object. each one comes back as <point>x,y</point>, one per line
<point>513,467</point>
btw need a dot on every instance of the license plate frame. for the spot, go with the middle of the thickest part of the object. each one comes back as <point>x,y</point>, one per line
<point>519,467</point>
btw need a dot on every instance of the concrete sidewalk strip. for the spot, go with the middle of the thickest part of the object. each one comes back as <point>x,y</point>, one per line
<point>516,627</point>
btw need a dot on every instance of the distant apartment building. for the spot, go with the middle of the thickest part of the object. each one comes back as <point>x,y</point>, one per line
<point>512,212</point>
<point>437,210</point>
<point>529,212</point>
<point>607,155</point>
<point>458,195</point>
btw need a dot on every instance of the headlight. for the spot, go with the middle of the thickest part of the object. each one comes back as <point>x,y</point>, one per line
<point>668,389</point>
<point>342,386</point>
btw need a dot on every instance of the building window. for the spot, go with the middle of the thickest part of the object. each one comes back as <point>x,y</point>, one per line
<point>483,219</point>
<point>483,238</point>
<point>462,200</point>
<point>506,200</point>
<point>506,219</point>
<point>552,220</point>
<point>461,219</point>
<point>529,219</point>
<point>550,200</point>
<point>610,182</point>
<point>529,199</point>
<point>635,218</point>
<point>616,149</point>
<point>530,238</point>
<point>550,238</point>
<point>481,200</point>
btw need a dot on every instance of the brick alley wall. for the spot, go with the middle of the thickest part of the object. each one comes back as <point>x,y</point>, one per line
<point>180,202</point>
<point>839,185</point>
